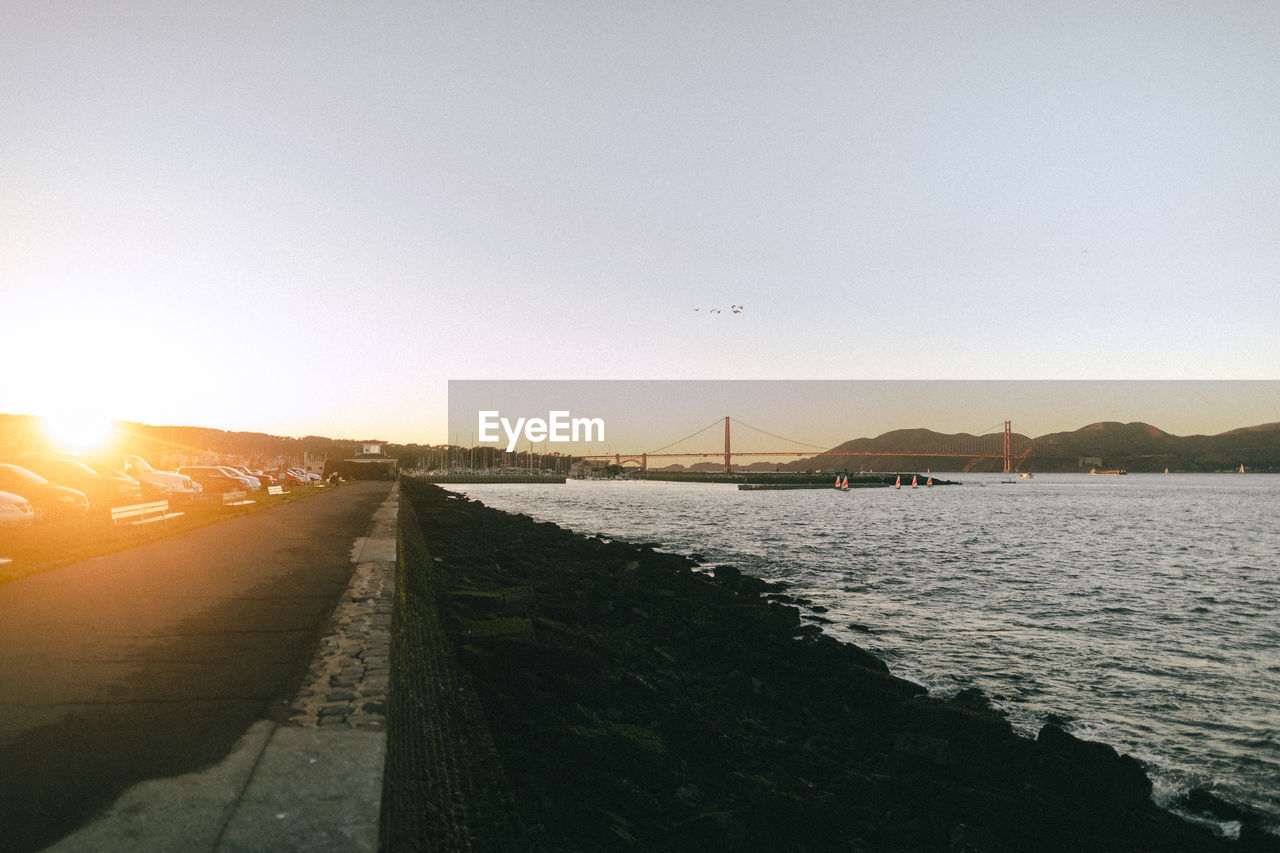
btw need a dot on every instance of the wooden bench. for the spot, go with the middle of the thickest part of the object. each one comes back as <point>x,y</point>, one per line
<point>276,490</point>
<point>237,499</point>
<point>142,513</point>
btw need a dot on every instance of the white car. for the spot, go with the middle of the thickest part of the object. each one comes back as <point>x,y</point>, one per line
<point>162,485</point>
<point>255,485</point>
<point>252,476</point>
<point>15,511</point>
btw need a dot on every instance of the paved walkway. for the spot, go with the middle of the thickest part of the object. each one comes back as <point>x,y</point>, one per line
<point>313,783</point>
<point>309,776</point>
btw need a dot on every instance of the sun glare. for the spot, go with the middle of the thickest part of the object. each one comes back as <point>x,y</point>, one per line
<point>79,430</point>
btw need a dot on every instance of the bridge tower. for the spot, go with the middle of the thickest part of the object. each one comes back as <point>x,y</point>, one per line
<point>1008,448</point>
<point>727,465</point>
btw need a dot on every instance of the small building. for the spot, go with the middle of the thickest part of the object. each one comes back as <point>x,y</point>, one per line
<point>363,466</point>
<point>314,463</point>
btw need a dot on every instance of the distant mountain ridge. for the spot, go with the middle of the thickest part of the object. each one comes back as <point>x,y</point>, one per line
<point>23,433</point>
<point>1135,446</point>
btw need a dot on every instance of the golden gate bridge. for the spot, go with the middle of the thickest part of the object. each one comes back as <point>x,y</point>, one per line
<point>1010,448</point>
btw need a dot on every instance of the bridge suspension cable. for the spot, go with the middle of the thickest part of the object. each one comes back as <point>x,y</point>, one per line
<point>779,437</point>
<point>714,423</point>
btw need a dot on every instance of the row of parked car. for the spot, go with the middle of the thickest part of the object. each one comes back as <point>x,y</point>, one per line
<point>48,487</point>
<point>219,479</point>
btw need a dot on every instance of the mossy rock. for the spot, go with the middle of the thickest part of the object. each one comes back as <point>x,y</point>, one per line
<point>476,598</point>
<point>502,626</point>
<point>622,733</point>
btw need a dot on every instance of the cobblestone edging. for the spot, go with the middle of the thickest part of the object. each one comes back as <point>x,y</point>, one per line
<point>346,683</point>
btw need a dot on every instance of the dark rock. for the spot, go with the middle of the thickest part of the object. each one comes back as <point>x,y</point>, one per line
<point>932,749</point>
<point>1200,800</point>
<point>1096,769</point>
<point>644,705</point>
<point>727,576</point>
<point>1255,839</point>
<point>975,700</point>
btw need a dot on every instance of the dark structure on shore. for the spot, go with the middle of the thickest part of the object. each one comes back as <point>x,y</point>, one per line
<point>370,464</point>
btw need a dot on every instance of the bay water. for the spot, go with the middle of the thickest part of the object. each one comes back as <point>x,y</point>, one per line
<point>1142,610</point>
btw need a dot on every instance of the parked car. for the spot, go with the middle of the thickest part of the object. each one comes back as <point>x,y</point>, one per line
<point>15,511</point>
<point>49,501</point>
<point>216,480</point>
<point>251,476</point>
<point>255,485</point>
<point>156,485</point>
<point>289,478</point>
<point>103,490</point>
<point>307,476</point>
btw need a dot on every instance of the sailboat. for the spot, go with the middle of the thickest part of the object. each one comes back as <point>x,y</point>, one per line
<point>913,481</point>
<point>1241,467</point>
<point>930,481</point>
<point>837,481</point>
<point>898,483</point>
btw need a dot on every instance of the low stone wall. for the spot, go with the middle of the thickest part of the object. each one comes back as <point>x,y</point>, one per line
<point>443,787</point>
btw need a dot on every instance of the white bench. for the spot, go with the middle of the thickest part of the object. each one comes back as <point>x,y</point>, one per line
<point>142,513</point>
<point>276,490</point>
<point>237,499</point>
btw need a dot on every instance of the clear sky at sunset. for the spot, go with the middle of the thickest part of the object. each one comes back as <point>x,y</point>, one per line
<point>305,218</point>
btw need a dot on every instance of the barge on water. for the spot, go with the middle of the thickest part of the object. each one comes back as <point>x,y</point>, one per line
<point>773,487</point>
<point>557,479</point>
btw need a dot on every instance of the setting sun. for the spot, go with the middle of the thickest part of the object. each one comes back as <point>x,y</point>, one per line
<point>72,430</point>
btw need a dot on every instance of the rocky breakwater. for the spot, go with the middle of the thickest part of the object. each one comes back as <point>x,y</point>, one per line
<point>637,703</point>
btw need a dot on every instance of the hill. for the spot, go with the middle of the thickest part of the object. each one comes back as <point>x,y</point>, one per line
<point>169,446</point>
<point>1136,447</point>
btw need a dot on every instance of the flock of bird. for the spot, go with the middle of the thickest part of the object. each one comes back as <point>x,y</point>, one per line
<point>736,309</point>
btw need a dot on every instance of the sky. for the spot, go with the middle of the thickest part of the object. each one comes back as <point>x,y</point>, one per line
<point>307,218</point>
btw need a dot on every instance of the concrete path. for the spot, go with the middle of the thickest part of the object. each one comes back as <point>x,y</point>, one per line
<point>215,665</point>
